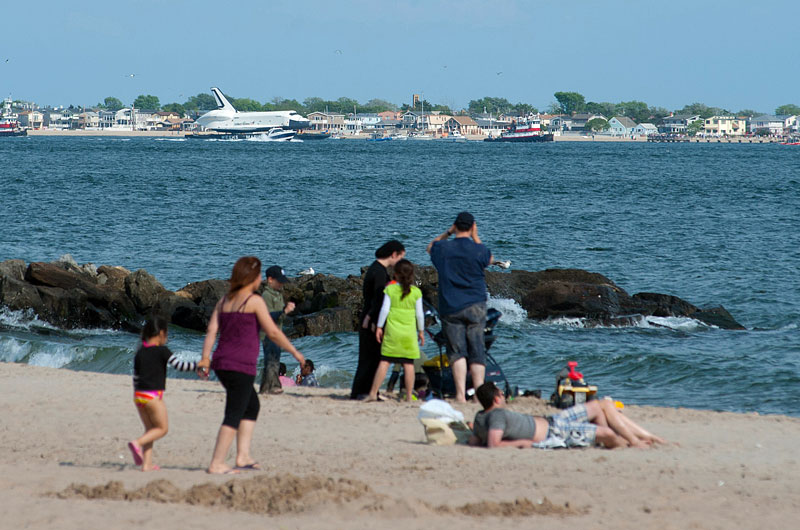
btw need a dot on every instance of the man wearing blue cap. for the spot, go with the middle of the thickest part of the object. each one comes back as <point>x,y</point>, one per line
<point>460,263</point>
<point>270,381</point>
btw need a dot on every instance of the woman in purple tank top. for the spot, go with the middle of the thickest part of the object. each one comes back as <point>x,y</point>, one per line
<point>237,319</point>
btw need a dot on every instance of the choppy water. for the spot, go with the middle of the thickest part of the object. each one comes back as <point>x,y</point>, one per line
<point>713,224</point>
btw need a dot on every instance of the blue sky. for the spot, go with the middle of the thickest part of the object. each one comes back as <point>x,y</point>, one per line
<point>734,53</point>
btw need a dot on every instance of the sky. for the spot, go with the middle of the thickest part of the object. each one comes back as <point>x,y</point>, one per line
<point>734,54</point>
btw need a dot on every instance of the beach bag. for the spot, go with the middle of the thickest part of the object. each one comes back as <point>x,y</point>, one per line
<point>443,424</point>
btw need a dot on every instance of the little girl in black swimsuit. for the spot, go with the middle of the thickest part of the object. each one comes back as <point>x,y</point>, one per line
<point>149,381</point>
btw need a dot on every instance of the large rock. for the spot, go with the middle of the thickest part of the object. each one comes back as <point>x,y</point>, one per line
<point>201,298</point>
<point>717,316</point>
<point>109,305</point>
<point>144,291</point>
<point>207,292</point>
<point>313,294</point>
<point>13,268</point>
<point>113,277</point>
<point>19,295</point>
<point>338,319</point>
<point>663,305</point>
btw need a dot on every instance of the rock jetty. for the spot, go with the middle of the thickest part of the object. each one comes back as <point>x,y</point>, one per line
<point>69,296</point>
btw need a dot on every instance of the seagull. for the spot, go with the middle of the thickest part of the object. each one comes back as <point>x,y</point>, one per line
<point>499,73</point>
<point>308,272</point>
<point>338,52</point>
<point>502,264</point>
<point>129,75</point>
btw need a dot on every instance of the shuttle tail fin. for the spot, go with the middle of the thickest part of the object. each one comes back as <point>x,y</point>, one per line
<point>222,102</point>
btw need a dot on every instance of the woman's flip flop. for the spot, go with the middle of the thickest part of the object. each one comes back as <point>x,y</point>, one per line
<point>136,451</point>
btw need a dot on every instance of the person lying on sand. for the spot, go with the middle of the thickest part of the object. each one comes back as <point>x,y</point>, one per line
<point>597,422</point>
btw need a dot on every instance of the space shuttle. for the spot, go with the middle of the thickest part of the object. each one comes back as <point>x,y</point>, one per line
<point>229,120</point>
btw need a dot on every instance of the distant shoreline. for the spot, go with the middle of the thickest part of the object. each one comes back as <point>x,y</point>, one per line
<point>121,133</point>
<point>104,132</point>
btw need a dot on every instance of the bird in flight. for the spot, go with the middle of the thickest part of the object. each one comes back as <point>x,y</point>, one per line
<point>129,75</point>
<point>499,73</point>
<point>338,52</point>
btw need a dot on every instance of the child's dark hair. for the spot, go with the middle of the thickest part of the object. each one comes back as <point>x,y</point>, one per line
<point>154,325</point>
<point>282,369</point>
<point>404,272</point>
<point>389,248</point>
<point>310,364</point>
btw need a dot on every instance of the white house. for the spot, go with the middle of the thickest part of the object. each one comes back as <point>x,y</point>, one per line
<point>621,126</point>
<point>645,129</point>
<point>766,124</point>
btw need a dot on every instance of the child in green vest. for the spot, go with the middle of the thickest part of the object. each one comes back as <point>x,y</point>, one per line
<point>401,324</point>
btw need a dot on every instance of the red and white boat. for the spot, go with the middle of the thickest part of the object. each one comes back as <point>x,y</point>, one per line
<point>523,130</point>
<point>9,127</point>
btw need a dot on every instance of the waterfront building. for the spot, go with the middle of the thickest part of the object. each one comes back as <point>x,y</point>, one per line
<point>32,119</point>
<point>677,124</point>
<point>391,115</point>
<point>88,120</point>
<point>725,126</point>
<point>766,124</point>
<point>576,122</point>
<point>621,126</point>
<point>433,121</point>
<point>389,124</point>
<point>463,124</point>
<point>326,121</point>
<point>491,127</point>
<point>645,129</point>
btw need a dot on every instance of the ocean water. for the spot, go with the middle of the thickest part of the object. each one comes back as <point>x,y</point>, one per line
<point>713,224</point>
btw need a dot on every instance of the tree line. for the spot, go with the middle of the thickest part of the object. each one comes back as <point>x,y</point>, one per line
<point>566,103</point>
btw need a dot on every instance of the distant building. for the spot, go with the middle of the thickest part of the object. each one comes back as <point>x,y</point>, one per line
<point>391,115</point>
<point>677,124</point>
<point>463,124</point>
<point>725,126</point>
<point>31,118</point>
<point>434,121</point>
<point>491,127</point>
<point>326,121</point>
<point>389,124</point>
<point>766,124</point>
<point>621,126</point>
<point>576,122</point>
<point>89,120</point>
<point>116,119</point>
<point>645,129</point>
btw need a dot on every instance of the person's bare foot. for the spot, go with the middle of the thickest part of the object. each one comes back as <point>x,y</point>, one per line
<point>222,471</point>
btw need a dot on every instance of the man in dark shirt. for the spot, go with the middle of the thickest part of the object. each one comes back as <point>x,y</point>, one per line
<point>597,422</point>
<point>460,264</point>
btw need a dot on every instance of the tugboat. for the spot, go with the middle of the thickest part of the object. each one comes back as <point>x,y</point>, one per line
<point>525,130</point>
<point>10,128</point>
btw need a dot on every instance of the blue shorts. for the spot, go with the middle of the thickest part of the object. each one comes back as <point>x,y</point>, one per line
<point>464,331</point>
<point>570,428</point>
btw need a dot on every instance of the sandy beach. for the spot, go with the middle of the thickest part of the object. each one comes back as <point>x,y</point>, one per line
<point>332,463</point>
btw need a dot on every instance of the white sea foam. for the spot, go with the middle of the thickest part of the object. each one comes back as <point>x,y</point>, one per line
<point>676,323</point>
<point>20,319</point>
<point>58,355</point>
<point>170,139</point>
<point>513,313</point>
<point>13,350</point>
<point>650,322</point>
